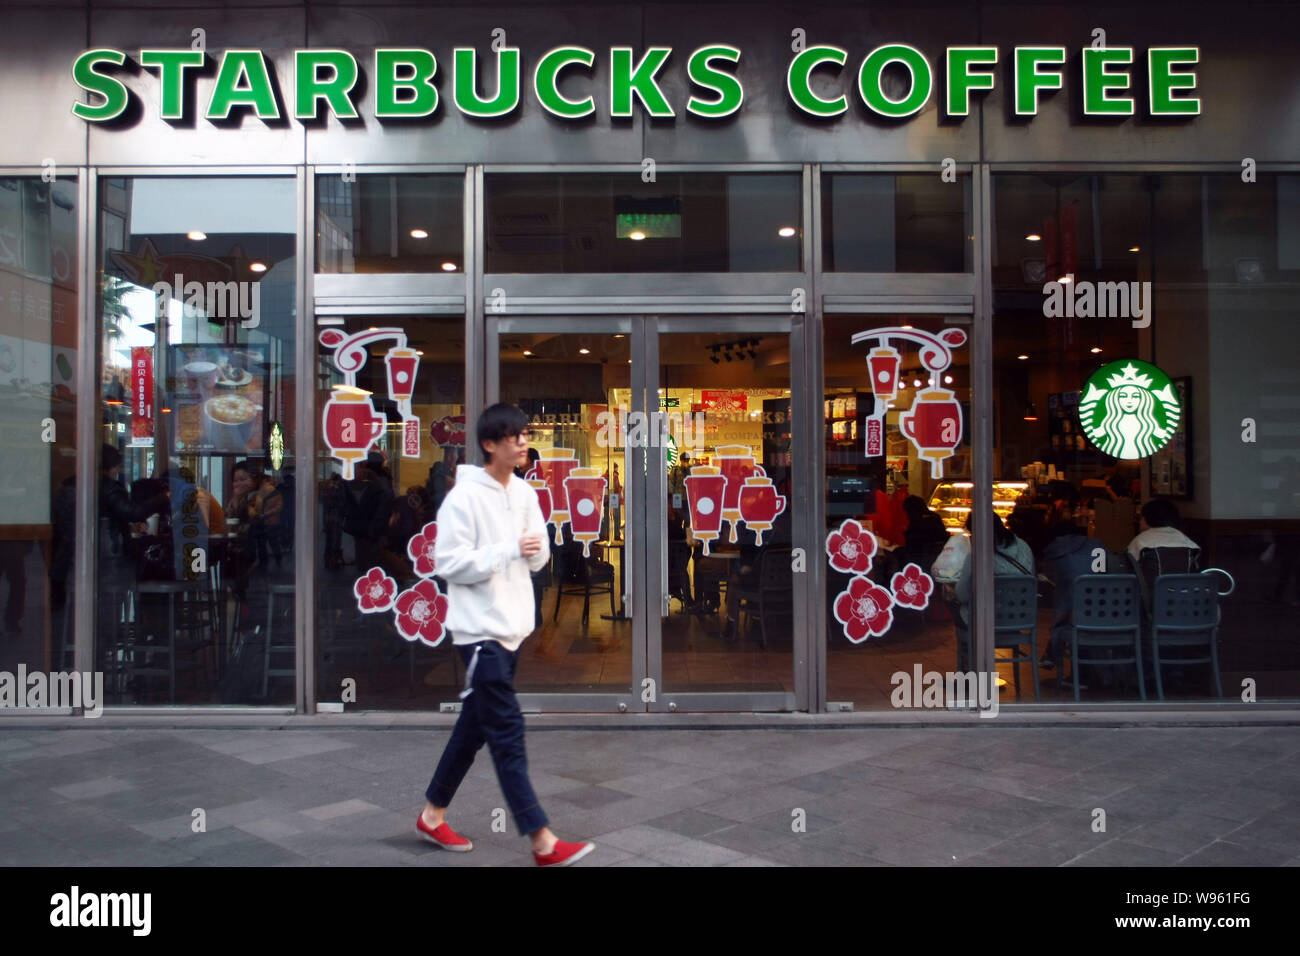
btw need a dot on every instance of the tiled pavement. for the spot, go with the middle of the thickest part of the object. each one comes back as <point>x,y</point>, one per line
<point>866,797</point>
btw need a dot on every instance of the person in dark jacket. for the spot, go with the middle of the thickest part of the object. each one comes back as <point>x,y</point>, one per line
<point>1069,554</point>
<point>925,535</point>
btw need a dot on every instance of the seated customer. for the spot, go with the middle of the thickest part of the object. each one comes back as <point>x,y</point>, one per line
<point>1069,555</point>
<point>1158,528</point>
<point>925,535</point>
<point>1010,556</point>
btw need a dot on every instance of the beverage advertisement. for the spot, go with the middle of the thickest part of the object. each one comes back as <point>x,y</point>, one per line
<point>217,394</point>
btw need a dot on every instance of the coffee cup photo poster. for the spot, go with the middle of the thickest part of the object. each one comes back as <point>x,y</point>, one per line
<point>218,397</point>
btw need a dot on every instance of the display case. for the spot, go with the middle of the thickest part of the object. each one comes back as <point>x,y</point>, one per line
<point>952,501</point>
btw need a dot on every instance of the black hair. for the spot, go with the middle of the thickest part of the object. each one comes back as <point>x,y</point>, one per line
<point>109,458</point>
<point>1120,485</point>
<point>248,468</point>
<point>1063,529</point>
<point>497,422</point>
<point>914,506</point>
<point>1161,513</point>
<point>1003,537</point>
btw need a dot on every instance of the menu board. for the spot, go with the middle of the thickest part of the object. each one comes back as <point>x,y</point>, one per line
<point>217,396</point>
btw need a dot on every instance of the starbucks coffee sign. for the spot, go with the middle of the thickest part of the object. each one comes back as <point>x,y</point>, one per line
<point>1129,409</point>
<point>894,81</point>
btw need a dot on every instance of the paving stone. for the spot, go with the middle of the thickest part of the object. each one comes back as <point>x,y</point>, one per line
<point>1121,852</point>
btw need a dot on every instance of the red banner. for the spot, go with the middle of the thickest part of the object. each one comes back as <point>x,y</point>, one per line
<point>723,400</point>
<point>141,396</point>
<point>411,438</point>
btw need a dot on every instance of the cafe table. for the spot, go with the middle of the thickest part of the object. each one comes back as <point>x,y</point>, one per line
<point>619,545</point>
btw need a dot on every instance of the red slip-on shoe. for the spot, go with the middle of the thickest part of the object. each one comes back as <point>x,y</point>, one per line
<point>443,836</point>
<point>564,853</point>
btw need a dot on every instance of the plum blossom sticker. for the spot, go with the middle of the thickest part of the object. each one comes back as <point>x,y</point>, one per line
<point>375,591</point>
<point>420,549</point>
<point>421,611</point>
<point>851,548</point>
<point>912,587</point>
<point>865,610</point>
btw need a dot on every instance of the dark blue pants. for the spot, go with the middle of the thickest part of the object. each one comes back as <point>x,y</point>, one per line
<point>490,715</point>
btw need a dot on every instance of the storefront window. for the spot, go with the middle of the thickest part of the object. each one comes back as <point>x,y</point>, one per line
<point>898,496</point>
<point>607,222</point>
<point>905,223</point>
<point>195,566</point>
<point>373,223</point>
<point>390,394</point>
<point>38,340</point>
<point>1145,378</point>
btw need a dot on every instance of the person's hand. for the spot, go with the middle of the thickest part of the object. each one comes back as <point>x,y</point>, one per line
<point>530,544</point>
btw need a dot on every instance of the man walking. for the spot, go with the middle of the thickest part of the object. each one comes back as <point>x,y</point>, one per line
<point>490,537</point>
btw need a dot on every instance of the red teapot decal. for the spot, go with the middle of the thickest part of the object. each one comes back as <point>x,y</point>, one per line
<point>350,423</point>
<point>934,422</point>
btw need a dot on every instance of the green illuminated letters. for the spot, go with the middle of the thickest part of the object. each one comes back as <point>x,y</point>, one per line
<point>874,65</point>
<point>797,80</point>
<point>1163,80</point>
<point>626,79</point>
<point>242,80</point>
<point>309,87</point>
<point>172,65</point>
<point>466,83</point>
<point>960,78</point>
<point>730,93</point>
<point>423,99</point>
<point>1029,81</point>
<point>545,82</point>
<point>112,90</point>
<point>1097,80</point>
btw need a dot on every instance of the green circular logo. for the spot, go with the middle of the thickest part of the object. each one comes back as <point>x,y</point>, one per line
<point>1129,409</point>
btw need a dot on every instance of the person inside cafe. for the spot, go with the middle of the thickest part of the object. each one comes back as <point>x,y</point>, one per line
<point>1069,554</point>
<point>1010,556</point>
<point>924,536</point>
<point>1159,528</point>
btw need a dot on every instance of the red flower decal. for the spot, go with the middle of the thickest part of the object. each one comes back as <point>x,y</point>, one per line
<point>851,548</point>
<point>375,591</point>
<point>865,610</point>
<point>421,611</point>
<point>448,430</point>
<point>420,549</point>
<point>912,587</point>
<point>331,338</point>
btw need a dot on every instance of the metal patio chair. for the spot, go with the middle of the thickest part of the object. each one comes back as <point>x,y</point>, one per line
<point>1107,613</point>
<point>1185,613</point>
<point>1015,622</point>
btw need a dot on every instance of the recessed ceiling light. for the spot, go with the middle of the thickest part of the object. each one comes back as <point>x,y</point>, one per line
<point>638,235</point>
<point>916,383</point>
<point>257,266</point>
<point>619,335</point>
<point>1134,248</point>
<point>1034,237</point>
<point>785,232</point>
<point>1065,279</point>
<point>947,380</point>
<point>584,351</point>
<point>419,234</point>
<point>449,267</point>
<point>907,326</point>
<point>1022,357</point>
<point>1095,349</point>
<point>197,235</point>
<point>419,351</point>
<point>528,352</point>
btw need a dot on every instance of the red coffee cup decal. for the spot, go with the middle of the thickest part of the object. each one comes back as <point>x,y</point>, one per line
<point>759,506</point>
<point>341,422</point>
<point>705,488</point>
<point>543,497</point>
<point>934,422</point>
<point>737,464</point>
<point>585,491</point>
<point>553,466</point>
<point>351,425</point>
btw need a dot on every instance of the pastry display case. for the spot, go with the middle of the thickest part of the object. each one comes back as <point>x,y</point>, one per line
<point>952,501</point>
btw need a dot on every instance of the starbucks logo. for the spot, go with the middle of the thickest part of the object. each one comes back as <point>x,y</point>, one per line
<point>1129,409</point>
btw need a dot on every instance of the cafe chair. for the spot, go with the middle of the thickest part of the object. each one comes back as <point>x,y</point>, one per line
<point>1107,614</point>
<point>1185,614</point>
<point>1015,622</point>
<point>679,572</point>
<point>1153,562</point>
<point>576,575</point>
<point>282,644</point>
<point>771,591</point>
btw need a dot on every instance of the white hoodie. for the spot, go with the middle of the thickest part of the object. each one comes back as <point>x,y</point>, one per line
<point>489,591</point>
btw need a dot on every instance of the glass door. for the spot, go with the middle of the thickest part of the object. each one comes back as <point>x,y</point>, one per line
<point>577,380</point>
<point>721,490</point>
